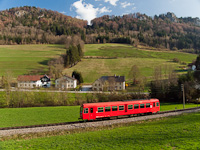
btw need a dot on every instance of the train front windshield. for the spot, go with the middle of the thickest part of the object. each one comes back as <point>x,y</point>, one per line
<point>81,110</point>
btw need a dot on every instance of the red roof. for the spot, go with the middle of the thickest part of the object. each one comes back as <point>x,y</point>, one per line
<point>29,77</point>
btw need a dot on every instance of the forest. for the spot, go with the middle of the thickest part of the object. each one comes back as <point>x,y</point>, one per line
<point>31,25</point>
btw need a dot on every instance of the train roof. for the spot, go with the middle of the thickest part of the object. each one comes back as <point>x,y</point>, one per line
<point>120,102</point>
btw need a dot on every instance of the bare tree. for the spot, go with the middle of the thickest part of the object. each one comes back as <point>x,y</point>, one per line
<point>111,83</point>
<point>134,73</point>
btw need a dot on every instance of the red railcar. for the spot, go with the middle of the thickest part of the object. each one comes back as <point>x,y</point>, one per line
<point>92,111</point>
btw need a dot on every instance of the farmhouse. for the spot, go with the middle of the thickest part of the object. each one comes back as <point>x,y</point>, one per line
<point>66,82</point>
<point>109,83</point>
<point>32,81</point>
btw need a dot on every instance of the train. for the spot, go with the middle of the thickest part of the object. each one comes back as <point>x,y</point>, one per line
<point>101,110</point>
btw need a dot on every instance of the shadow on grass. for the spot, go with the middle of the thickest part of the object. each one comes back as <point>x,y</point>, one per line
<point>45,62</point>
<point>181,71</point>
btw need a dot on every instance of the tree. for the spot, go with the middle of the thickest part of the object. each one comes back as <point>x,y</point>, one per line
<point>80,51</point>
<point>111,83</point>
<point>197,72</point>
<point>134,73</point>
<point>77,75</point>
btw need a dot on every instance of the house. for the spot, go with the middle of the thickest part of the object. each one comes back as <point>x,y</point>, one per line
<point>32,81</point>
<point>66,82</point>
<point>109,83</point>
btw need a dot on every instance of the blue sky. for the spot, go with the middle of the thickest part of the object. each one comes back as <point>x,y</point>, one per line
<point>89,9</point>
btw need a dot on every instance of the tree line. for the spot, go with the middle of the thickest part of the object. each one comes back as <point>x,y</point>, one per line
<point>30,25</point>
<point>169,89</point>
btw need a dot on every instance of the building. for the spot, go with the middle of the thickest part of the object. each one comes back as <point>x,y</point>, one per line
<point>66,82</point>
<point>32,81</point>
<point>109,83</point>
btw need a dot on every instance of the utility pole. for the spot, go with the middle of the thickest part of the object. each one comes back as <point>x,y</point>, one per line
<point>182,88</point>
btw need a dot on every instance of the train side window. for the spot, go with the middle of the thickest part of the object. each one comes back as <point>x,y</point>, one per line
<point>121,107</point>
<point>154,104</point>
<point>100,109</point>
<point>141,105</point>
<point>114,108</point>
<point>136,106</point>
<point>107,109</point>
<point>85,110</point>
<point>157,104</point>
<point>91,110</point>
<point>147,105</point>
<point>130,107</point>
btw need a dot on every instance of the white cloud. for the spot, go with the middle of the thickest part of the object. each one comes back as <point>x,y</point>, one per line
<point>63,12</point>
<point>134,8</point>
<point>104,10</point>
<point>112,2</point>
<point>87,11</point>
<point>126,4</point>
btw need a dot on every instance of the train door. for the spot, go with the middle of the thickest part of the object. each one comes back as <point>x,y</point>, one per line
<point>126,107</point>
<point>92,114</point>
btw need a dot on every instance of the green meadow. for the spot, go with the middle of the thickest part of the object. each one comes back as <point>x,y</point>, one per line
<point>123,51</point>
<point>122,58</point>
<point>10,117</point>
<point>20,59</point>
<point>180,132</point>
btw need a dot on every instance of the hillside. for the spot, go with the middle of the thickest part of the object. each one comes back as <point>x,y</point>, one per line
<point>110,59</point>
<point>26,25</point>
<point>163,31</point>
<point>31,25</point>
<point>24,59</point>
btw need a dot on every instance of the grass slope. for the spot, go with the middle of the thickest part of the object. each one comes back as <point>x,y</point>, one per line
<point>127,56</point>
<point>20,59</point>
<point>123,51</point>
<point>181,132</point>
<point>10,117</point>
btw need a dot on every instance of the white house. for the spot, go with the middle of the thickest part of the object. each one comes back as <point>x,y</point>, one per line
<point>32,81</point>
<point>109,83</point>
<point>66,82</point>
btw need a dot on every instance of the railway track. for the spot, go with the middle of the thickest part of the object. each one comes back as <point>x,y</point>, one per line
<point>78,122</point>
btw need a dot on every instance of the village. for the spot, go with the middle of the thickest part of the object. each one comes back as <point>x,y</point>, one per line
<point>105,83</point>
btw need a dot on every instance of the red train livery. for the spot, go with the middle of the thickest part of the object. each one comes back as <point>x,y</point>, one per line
<point>92,111</point>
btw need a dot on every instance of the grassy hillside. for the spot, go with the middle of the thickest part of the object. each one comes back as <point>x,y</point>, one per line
<point>125,57</point>
<point>180,132</point>
<point>20,59</point>
<point>123,51</point>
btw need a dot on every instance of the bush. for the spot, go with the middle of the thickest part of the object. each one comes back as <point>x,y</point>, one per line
<point>176,60</point>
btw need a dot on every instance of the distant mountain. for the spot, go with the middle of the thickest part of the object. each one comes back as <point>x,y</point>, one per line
<point>163,31</point>
<point>35,25</point>
<point>26,25</point>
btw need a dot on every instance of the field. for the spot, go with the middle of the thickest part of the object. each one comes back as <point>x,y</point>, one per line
<point>20,59</point>
<point>181,132</point>
<point>39,115</point>
<point>10,117</point>
<point>122,58</point>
